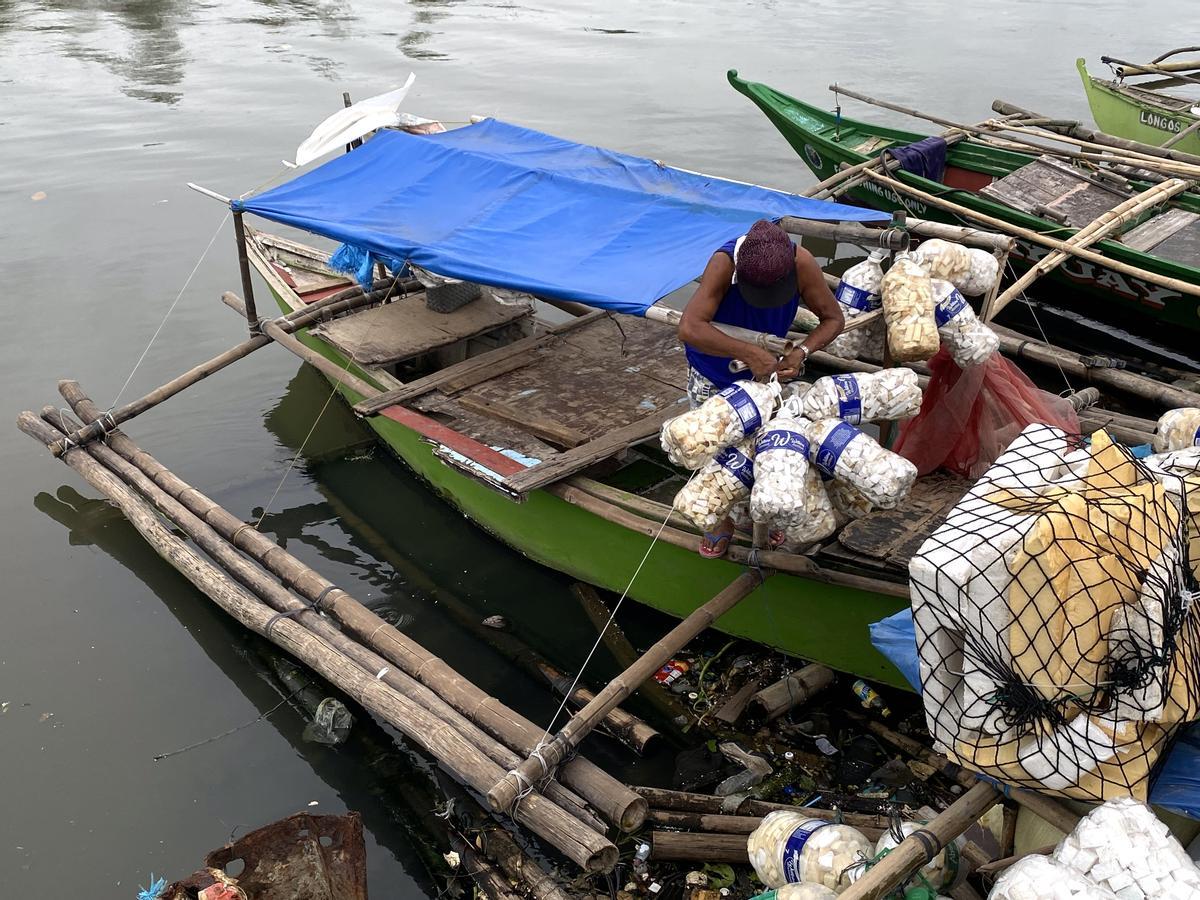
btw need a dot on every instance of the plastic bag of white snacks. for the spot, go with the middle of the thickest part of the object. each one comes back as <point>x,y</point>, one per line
<point>865,397</point>
<point>724,480</point>
<point>780,495</point>
<point>942,873</point>
<point>971,270</point>
<point>788,847</point>
<point>858,293</point>
<point>820,520</point>
<point>692,439</point>
<point>908,311</point>
<point>842,452</point>
<point>985,269</point>
<point>969,341</point>
<point>1124,847</point>
<point>944,259</point>
<point>1039,877</point>
<point>1177,429</point>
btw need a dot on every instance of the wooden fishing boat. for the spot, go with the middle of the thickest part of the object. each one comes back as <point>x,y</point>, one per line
<point>1017,188</point>
<point>1145,111</point>
<point>577,384</point>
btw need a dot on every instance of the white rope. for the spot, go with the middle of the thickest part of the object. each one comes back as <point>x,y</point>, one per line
<point>1041,330</point>
<point>313,428</point>
<point>291,465</point>
<point>600,637</point>
<point>170,310</point>
<point>183,289</point>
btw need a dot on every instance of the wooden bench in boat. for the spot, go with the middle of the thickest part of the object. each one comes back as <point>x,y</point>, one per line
<point>407,328</point>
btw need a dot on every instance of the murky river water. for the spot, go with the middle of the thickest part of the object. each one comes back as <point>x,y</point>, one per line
<point>107,657</point>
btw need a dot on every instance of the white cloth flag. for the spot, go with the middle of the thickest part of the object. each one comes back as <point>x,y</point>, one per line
<point>353,122</point>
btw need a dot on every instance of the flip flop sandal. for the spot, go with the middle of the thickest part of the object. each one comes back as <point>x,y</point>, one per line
<point>720,544</point>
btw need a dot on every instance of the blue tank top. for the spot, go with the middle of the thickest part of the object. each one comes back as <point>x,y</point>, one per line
<point>736,311</point>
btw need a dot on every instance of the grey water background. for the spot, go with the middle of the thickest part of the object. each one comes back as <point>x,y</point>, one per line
<point>107,657</point>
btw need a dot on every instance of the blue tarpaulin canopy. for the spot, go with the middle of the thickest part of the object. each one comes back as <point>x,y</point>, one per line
<point>505,206</point>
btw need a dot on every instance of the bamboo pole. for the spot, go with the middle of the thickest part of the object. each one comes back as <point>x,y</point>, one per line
<point>490,883</point>
<point>789,692</point>
<point>1174,284</point>
<point>1169,396</point>
<point>620,724</point>
<point>682,846</point>
<point>612,799</point>
<point>854,232</point>
<point>239,231</point>
<point>623,725</point>
<point>687,801</point>
<point>1099,229</point>
<point>1100,138</point>
<point>427,731</point>
<point>344,301</point>
<point>667,704</point>
<point>988,130</point>
<point>500,848</point>
<point>716,823</point>
<point>775,344</point>
<point>1175,73</point>
<point>1130,153</point>
<point>1175,139</point>
<point>924,844</point>
<point>710,822</point>
<point>549,754</point>
<point>284,601</point>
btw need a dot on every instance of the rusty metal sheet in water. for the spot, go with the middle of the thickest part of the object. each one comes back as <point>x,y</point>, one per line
<point>302,857</point>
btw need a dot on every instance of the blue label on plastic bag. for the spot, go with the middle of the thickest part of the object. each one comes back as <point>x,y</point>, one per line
<point>1196,439</point>
<point>831,448</point>
<point>951,306</point>
<point>853,297</point>
<point>745,407</point>
<point>782,439</point>
<point>737,464</point>
<point>794,845</point>
<point>849,398</point>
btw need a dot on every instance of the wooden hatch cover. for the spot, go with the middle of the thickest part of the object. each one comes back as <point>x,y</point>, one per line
<point>1052,189</point>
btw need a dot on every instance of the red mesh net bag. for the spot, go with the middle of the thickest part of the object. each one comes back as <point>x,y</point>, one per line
<point>969,416</point>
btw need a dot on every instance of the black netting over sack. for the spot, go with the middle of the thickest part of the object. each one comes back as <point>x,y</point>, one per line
<point>1056,625</point>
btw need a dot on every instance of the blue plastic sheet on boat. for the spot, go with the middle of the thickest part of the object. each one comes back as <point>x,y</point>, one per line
<point>896,638</point>
<point>1177,785</point>
<point>503,205</point>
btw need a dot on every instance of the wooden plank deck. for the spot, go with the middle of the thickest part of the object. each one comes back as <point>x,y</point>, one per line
<point>1174,234</point>
<point>569,398</point>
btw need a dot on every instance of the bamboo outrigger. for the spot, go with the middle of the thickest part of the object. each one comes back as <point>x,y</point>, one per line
<point>536,432</point>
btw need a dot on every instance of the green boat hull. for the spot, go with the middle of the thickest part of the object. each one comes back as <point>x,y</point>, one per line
<point>809,619</point>
<point>827,142</point>
<point>1122,115</point>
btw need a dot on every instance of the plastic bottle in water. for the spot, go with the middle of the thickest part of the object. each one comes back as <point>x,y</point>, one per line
<point>857,293</point>
<point>869,698</point>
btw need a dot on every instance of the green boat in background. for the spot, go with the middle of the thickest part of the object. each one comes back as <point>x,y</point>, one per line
<point>1143,112</point>
<point>1021,189</point>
